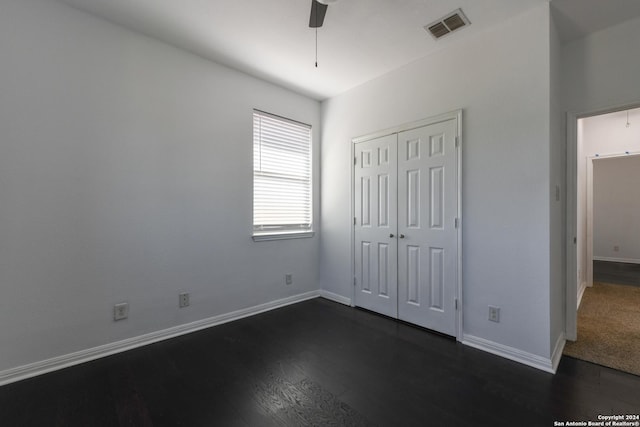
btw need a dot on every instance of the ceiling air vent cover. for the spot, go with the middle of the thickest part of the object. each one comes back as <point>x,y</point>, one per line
<point>448,24</point>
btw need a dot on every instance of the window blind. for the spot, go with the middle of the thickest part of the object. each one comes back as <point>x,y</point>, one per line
<point>281,175</point>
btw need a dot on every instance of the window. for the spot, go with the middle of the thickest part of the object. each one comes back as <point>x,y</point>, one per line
<point>281,177</point>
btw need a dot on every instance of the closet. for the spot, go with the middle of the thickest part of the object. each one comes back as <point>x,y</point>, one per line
<point>406,232</point>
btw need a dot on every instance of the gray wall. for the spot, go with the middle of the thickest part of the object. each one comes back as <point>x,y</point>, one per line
<point>616,209</point>
<point>501,80</point>
<point>598,73</point>
<point>125,174</point>
<point>599,70</point>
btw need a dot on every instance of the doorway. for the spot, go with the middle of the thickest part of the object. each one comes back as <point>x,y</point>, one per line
<point>613,227</point>
<point>406,230</point>
<point>590,135</point>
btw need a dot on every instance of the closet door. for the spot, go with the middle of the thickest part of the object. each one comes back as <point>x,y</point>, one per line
<point>427,244</point>
<point>376,209</point>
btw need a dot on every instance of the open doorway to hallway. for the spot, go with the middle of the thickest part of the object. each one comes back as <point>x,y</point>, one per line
<point>605,186</point>
<point>616,220</point>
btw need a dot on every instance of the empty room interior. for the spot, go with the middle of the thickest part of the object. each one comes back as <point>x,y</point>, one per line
<point>317,212</point>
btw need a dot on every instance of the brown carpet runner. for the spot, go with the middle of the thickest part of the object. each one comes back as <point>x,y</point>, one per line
<point>609,327</point>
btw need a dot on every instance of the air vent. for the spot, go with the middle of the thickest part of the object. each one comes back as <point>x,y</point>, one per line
<point>439,29</point>
<point>448,24</point>
<point>454,22</point>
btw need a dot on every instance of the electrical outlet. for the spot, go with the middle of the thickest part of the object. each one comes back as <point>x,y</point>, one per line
<point>616,249</point>
<point>494,314</point>
<point>288,279</point>
<point>121,311</point>
<point>183,300</point>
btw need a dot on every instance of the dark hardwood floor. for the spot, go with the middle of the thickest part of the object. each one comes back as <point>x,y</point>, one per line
<point>619,273</point>
<point>315,363</point>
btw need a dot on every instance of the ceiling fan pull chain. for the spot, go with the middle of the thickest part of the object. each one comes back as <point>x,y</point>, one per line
<point>316,19</point>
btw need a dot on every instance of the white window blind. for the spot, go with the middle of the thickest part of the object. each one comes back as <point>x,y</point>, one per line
<point>281,175</point>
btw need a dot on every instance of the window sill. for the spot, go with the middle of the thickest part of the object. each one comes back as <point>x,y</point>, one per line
<point>281,236</point>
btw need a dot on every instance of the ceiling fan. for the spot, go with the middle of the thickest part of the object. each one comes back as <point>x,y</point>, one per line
<point>318,11</point>
<point>316,19</point>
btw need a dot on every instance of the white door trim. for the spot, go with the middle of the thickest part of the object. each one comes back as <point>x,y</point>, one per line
<point>572,285</point>
<point>352,219</point>
<point>589,218</point>
<point>457,115</point>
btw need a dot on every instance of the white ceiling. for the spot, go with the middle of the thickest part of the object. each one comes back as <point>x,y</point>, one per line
<point>616,119</point>
<point>360,39</point>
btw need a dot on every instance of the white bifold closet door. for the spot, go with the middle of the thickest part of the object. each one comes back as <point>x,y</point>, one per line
<point>376,204</point>
<point>405,228</point>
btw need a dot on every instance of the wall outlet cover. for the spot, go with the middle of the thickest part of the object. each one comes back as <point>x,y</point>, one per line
<point>121,311</point>
<point>494,314</point>
<point>183,300</point>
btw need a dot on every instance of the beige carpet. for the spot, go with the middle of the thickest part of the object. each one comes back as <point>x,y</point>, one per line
<point>609,327</point>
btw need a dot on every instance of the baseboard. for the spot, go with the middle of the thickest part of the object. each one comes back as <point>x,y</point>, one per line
<point>60,362</point>
<point>511,353</point>
<point>335,297</point>
<point>581,289</point>
<point>625,260</point>
<point>557,351</point>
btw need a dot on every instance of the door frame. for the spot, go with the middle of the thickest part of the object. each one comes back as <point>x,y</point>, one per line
<point>452,115</point>
<point>572,286</point>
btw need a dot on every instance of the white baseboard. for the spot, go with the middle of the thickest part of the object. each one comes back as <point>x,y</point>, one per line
<point>511,353</point>
<point>335,297</point>
<point>581,289</point>
<point>557,352</point>
<point>625,260</point>
<point>56,363</point>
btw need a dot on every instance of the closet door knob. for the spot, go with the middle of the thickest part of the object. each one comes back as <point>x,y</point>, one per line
<point>391,235</point>
<point>402,236</point>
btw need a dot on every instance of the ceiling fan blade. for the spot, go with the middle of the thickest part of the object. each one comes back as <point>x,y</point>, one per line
<point>318,11</point>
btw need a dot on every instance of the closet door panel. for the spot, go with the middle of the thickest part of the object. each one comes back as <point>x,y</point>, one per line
<point>376,209</point>
<point>427,209</point>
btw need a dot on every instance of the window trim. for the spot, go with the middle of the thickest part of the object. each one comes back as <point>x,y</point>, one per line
<point>283,236</point>
<point>280,234</point>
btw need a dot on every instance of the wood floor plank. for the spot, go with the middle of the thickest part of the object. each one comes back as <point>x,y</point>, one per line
<point>315,363</point>
<point>616,272</point>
